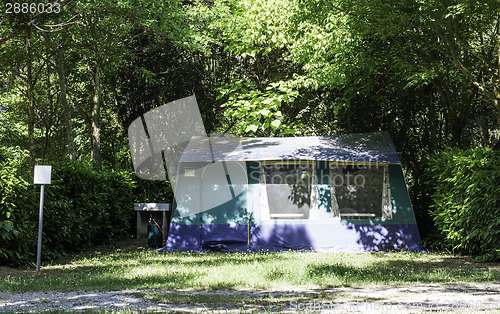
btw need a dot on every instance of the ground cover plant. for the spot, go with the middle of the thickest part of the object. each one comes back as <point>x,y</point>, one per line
<point>140,268</point>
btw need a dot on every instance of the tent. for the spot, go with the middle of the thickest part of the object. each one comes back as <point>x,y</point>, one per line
<point>320,193</point>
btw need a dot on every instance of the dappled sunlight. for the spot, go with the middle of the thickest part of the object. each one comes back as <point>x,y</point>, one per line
<point>147,269</point>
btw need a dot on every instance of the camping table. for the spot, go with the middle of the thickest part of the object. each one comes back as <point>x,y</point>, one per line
<point>148,210</point>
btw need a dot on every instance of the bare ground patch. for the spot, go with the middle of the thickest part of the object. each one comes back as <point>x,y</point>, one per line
<point>388,299</point>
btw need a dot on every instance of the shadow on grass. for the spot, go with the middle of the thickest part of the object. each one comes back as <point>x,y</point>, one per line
<point>215,271</point>
<point>447,269</point>
<point>101,281</point>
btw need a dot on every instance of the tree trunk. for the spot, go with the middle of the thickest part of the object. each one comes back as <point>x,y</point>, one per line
<point>31,103</point>
<point>432,121</point>
<point>96,127</point>
<point>455,116</point>
<point>61,71</point>
<point>48,118</point>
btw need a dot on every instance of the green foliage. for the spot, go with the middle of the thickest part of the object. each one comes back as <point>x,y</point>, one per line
<point>10,185</point>
<point>426,71</point>
<point>146,191</point>
<point>466,200</point>
<point>12,189</point>
<point>258,112</point>
<point>82,208</point>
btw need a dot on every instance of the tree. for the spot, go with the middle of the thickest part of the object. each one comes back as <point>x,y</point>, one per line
<point>111,26</point>
<point>438,36</point>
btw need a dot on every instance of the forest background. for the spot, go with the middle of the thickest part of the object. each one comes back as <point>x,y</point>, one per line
<point>75,74</point>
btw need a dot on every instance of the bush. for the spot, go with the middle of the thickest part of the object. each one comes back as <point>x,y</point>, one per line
<point>15,225</point>
<point>82,208</point>
<point>466,200</point>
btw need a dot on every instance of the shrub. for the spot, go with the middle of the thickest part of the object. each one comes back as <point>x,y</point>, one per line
<point>15,224</point>
<point>466,200</point>
<point>82,208</point>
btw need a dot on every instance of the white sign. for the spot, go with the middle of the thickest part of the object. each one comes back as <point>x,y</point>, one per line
<point>42,174</point>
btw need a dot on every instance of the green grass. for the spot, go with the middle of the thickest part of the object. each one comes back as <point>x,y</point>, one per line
<point>147,269</point>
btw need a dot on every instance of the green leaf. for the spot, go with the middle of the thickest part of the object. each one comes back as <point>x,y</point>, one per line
<point>265,112</point>
<point>252,128</point>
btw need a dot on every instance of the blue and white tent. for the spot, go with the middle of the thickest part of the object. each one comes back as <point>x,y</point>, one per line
<point>321,193</point>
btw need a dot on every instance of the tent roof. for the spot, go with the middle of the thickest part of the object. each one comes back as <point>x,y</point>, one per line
<point>361,147</point>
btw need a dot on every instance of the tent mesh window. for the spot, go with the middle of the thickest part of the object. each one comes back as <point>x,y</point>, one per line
<point>360,191</point>
<point>288,189</point>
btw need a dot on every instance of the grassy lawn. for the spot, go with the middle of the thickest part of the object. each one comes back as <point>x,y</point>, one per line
<point>139,268</point>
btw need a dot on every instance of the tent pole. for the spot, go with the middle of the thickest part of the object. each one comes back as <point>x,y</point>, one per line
<point>248,220</point>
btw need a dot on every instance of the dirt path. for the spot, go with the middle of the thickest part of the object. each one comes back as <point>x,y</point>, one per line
<point>414,299</point>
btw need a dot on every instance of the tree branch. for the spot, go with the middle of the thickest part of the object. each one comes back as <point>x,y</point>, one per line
<point>33,21</point>
<point>82,112</point>
<point>480,56</point>
<point>461,67</point>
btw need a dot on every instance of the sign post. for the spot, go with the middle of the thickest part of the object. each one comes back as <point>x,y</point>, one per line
<point>42,176</point>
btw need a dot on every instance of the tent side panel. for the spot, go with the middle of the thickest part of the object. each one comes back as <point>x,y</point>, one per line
<point>337,237</point>
<point>401,205</point>
<point>223,227</point>
<point>315,237</point>
<point>230,226</point>
<point>184,238</point>
<point>324,191</point>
